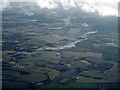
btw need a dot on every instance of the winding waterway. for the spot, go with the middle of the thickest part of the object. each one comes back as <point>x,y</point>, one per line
<point>72,44</point>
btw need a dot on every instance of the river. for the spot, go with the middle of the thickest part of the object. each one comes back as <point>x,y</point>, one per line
<point>72,44</point>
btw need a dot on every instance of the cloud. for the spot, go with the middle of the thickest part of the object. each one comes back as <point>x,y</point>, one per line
<point>3,4</point>
<point>67,4</point>
<point>26,12</point>
<point>84,25</point>
<point>67,21</point>
<point>100,7</point>
<point>50,4</point>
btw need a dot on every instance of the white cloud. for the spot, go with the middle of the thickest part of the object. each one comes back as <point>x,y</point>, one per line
<point>67,21</point>
<point>50,4</point>
<point>3,4</point>
<point>102,7</point>
<point>84,25</point>
<point>26,12</point>
<point>67,4</point>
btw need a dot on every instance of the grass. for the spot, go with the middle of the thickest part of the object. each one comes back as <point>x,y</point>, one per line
<point>83,61</point>
<point>39,84</point>
<point>52,38</point>
<point>82,85</point>
<point>52,85</point>
<point>21,67</point>
<point>65,80</point>
<point>90,80</point>
<point>37,70</point>
<point>53,73</point>
<point>43,56</point>
<point>9,72</point>
<point>12,62</point>
<point>7,84</point>
<point>6,77</point>
<point>34,77</point>
<point>31,33</point>
<point>57,28</point>
<point>34,20</point>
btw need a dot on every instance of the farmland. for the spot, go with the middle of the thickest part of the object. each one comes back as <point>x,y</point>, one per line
<point>42,52</point>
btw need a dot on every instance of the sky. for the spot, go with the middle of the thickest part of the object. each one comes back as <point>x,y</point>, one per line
<point>100,7</point>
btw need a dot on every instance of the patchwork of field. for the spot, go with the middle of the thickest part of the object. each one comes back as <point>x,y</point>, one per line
<point>28,64</point>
